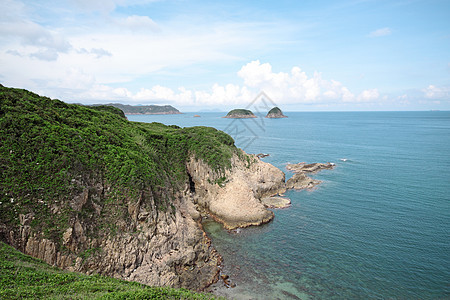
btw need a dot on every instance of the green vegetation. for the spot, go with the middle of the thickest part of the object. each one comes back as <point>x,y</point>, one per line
<point>275,110</point>
<point>240,113</point>
<point>25,277</point>
<point>145,109</point>
<point>275,113</point>
<point>51,151</point>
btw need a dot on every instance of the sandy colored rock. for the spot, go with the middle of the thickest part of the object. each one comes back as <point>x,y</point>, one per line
<point>276,202</point>
<point>238,202</point>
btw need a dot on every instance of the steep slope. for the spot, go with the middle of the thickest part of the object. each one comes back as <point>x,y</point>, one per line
<point>86,190</point>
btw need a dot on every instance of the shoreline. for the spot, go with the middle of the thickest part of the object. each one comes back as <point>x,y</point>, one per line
<point>273,200</point>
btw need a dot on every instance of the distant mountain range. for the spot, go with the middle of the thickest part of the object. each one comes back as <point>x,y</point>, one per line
<point>145,109</point>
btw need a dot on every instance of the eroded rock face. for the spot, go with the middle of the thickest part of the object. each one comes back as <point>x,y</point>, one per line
<point>166,248</point>
<point>237,202</point>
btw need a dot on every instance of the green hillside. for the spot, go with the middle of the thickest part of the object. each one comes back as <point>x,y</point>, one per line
<point>25,277</point>
<point>51,151</point>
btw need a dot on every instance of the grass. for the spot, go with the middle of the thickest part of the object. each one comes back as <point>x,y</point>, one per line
<point>25,277</point>
<point>51,151</point>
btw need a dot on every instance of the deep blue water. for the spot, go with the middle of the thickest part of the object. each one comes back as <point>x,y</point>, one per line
<point>377,227</point>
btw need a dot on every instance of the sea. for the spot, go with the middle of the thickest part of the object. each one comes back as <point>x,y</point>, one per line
<point>377,227</point>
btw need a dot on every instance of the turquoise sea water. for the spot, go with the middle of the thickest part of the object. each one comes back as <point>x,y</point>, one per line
<point>378,227</point>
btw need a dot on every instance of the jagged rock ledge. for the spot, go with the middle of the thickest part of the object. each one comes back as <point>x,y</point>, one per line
<point>251,186</point>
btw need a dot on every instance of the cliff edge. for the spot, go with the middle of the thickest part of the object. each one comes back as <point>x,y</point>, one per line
<point>86,190</point>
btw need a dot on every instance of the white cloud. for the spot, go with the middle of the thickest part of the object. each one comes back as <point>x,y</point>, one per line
<point>45,54</point>
<point>283,88</point>
<point>35,40</point>
<point>138,23</point>
<point>368,95</point>
<point>106,6</point>
<point>437,93</point>
<point>97,52</point>
<point>293,87</point>
<point>381,32</point>
<point>97,5</point>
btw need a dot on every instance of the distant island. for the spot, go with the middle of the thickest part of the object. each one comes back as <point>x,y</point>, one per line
<point>275,113</point>
<point>240,114</point>
<point>145,109</point>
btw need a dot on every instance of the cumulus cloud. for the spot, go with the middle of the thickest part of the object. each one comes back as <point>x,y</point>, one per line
<point>381,32</point>
<point>293,87</point>
<point>368,95</point>
<point>437,93</point>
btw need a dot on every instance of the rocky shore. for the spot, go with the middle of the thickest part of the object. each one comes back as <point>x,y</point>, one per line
<point>249,189</point>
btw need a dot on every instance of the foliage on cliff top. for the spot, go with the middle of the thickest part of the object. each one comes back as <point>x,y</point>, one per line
<point>25,277</point>
<point>51,150</point>
<point>243,112</point>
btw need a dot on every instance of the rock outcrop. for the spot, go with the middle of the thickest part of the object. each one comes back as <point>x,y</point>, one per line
<point>276,202</point>
<point>275,113</point>
<point>237,203</point>
<point>299,180</point>
<point>240,114</point>
<point>164,248</point>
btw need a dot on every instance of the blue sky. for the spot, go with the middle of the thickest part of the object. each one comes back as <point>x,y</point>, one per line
<point>218,55</point>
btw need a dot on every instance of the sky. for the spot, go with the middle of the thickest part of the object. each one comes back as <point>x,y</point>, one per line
<point>319,55</point>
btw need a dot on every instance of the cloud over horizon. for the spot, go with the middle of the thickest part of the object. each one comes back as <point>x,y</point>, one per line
<point>215,55</point>
<point>295,87</point>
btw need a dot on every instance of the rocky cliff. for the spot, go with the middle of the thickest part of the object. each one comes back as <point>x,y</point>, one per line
<point>86,190</point>
<point>234,198</point>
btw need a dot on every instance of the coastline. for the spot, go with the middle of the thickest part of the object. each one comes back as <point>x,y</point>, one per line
<point>158,113</point>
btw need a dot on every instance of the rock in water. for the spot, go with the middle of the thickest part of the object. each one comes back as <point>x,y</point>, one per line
<point>276,202</point>
<point>275,113</point>
<point>240,114</point>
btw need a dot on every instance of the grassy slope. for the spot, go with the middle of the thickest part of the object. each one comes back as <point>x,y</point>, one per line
<point>51,151</point>
<point>24,277</point>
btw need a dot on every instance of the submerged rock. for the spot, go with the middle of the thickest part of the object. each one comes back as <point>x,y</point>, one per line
<point>299,180</point>
<point>309,168</point>
<point>276,202</point>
